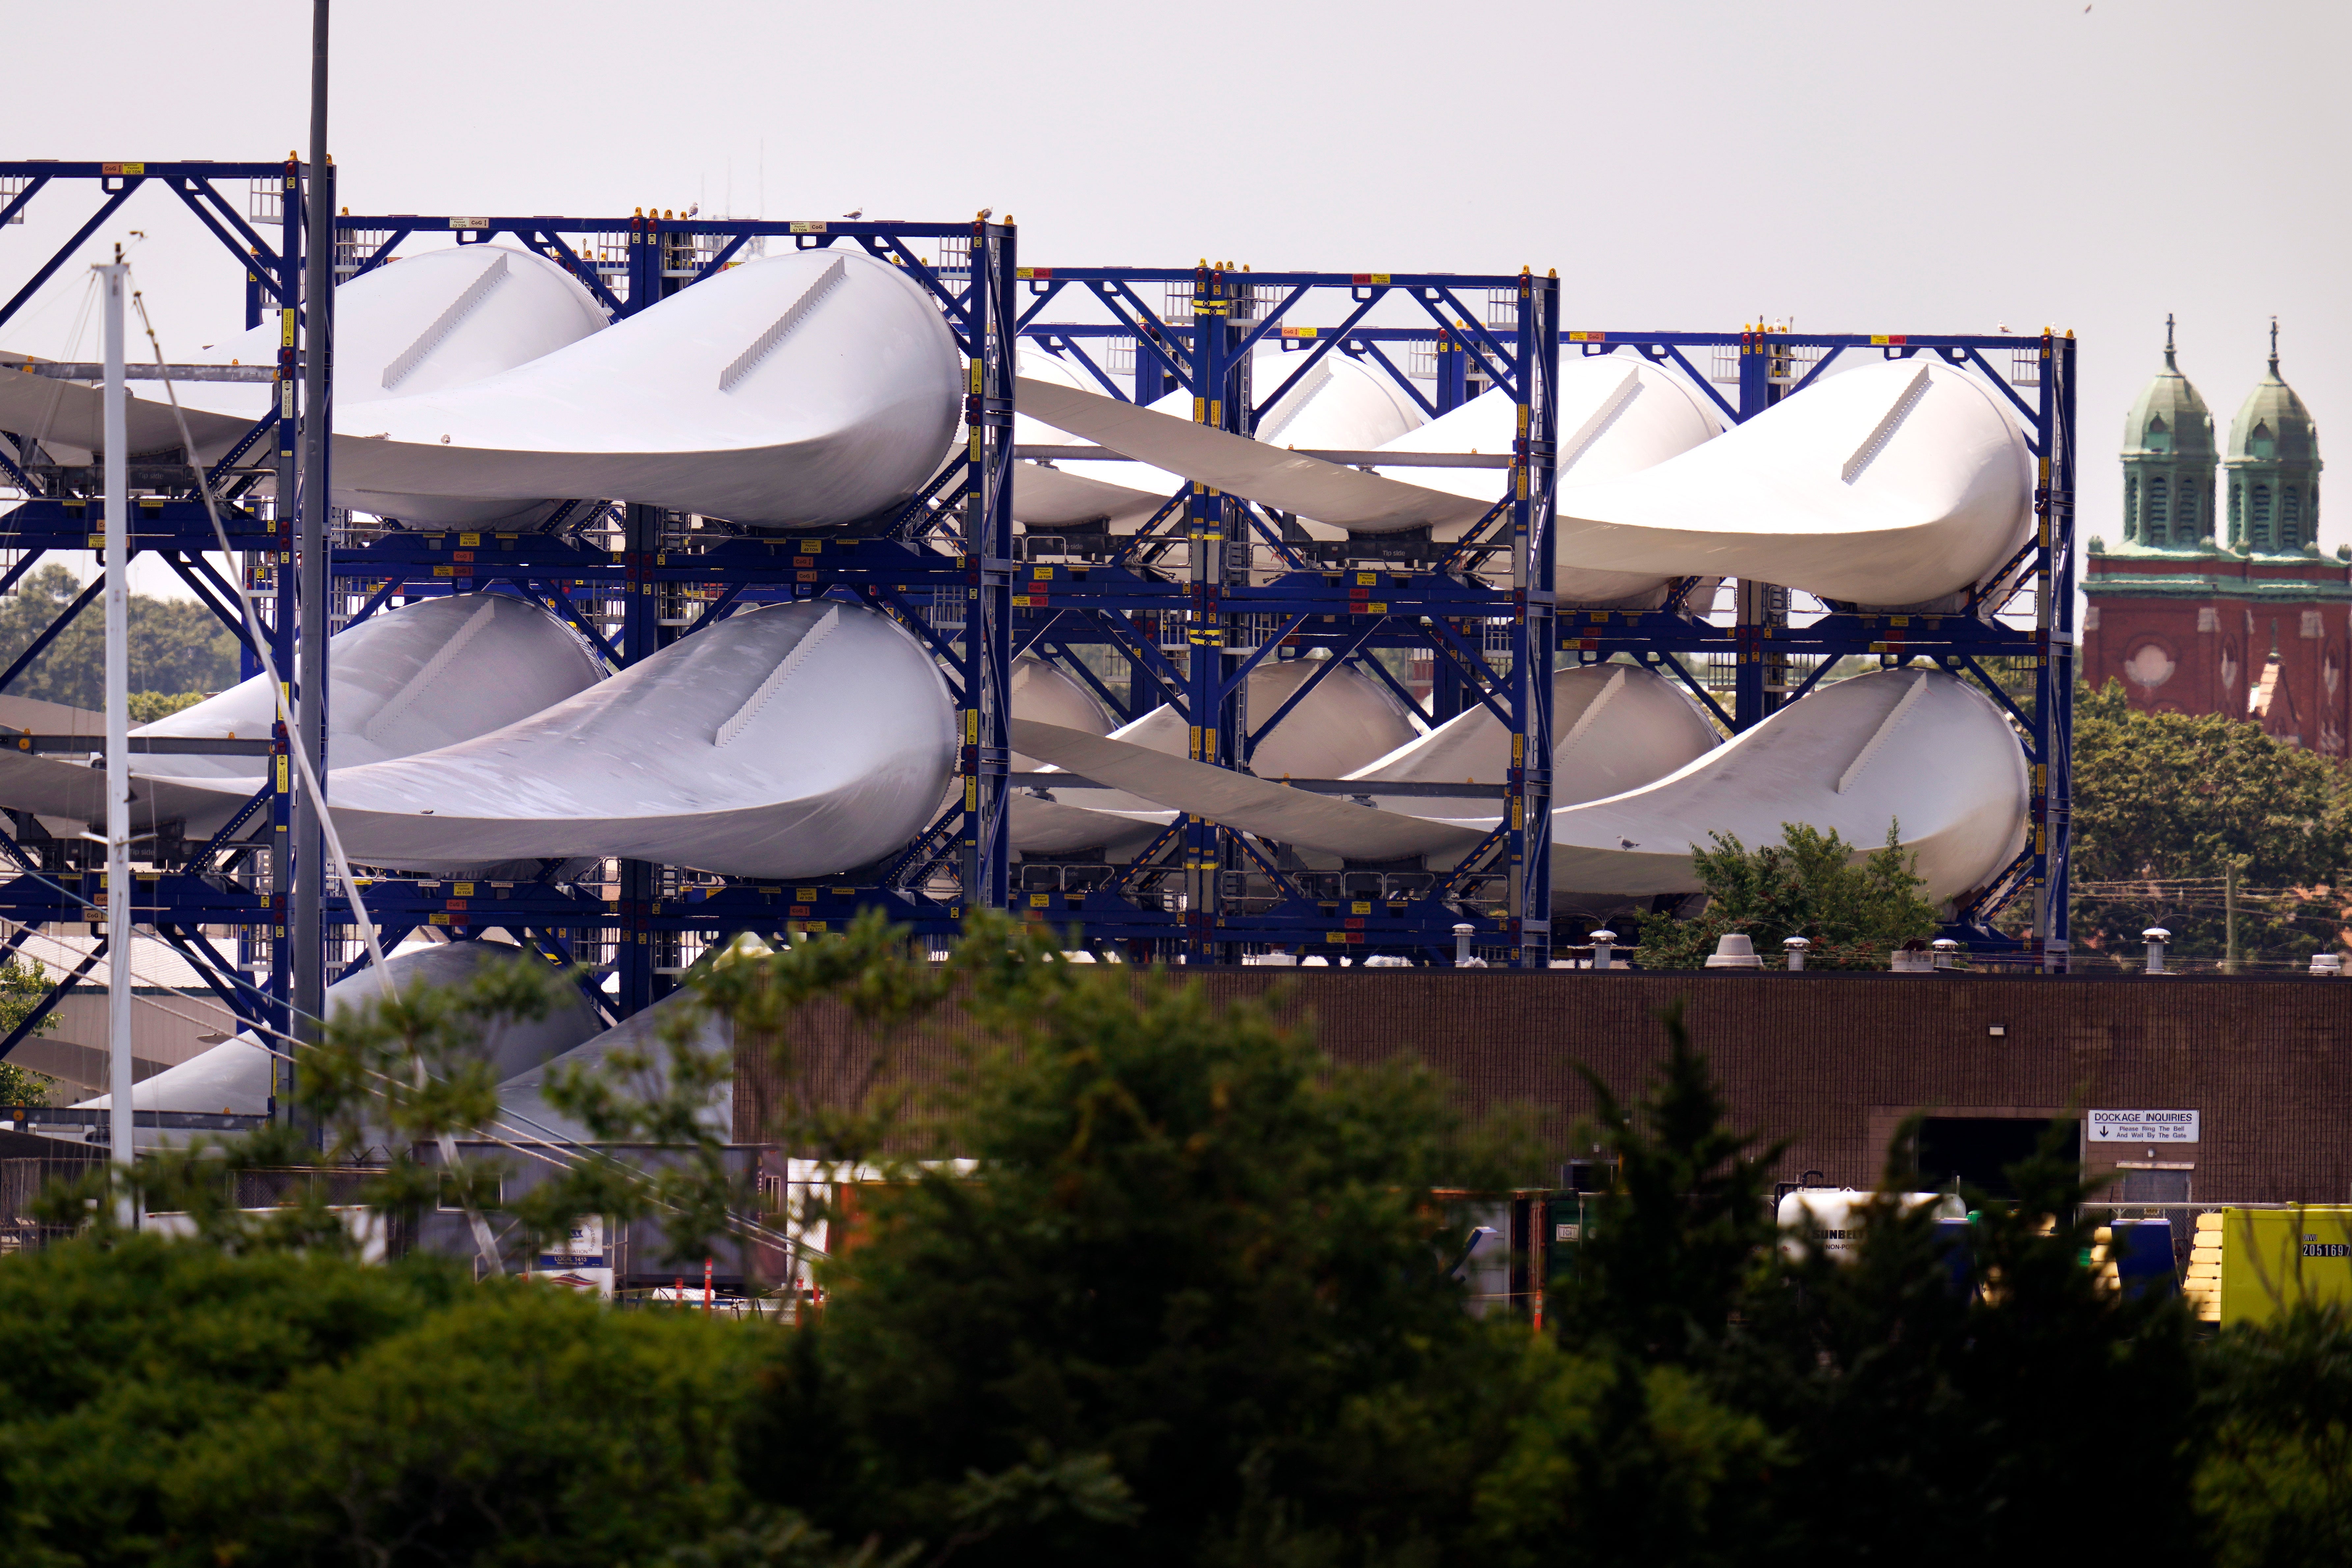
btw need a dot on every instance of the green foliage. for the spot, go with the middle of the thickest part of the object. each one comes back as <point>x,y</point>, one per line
<point>1804,886</point>
<point>1187,1304</point>
<point>1190,1249</point>
<point>2163,802</point>
<point>176,645</point>
<point>171,1405</point>
<point>22,987</point>
<point>1984,1407</point>
<point>1667,1264</point>
<point>146,707</point>
<point>2275,1487</point>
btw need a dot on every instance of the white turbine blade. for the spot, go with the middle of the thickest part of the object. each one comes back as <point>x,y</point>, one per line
<point>1953,783</point>
<point>1890,485</point>
<point>844,762</point>
<point>435,320</point>
<point>1328,492</point>
<point>847,408</point>
<point>1234,799</point>
<point>235,1075</point>
<point>395,690</point>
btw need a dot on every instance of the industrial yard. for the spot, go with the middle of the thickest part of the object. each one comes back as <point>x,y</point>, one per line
<point>735,882</point>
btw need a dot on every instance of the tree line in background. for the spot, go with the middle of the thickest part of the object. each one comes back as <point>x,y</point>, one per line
<point>1194,1301</point>
<point>179,649</point>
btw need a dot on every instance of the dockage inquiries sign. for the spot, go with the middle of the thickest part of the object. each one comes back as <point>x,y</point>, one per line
<point>2143,1127</point>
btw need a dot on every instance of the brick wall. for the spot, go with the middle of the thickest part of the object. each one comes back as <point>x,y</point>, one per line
<point>1830,1062</point>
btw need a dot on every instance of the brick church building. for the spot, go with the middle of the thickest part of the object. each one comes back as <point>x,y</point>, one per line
<point>2227,608</point>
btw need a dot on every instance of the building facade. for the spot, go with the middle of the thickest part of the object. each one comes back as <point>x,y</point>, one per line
<point>2219,600</point>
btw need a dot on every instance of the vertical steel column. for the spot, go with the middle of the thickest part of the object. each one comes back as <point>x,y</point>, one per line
<point>1212,737</point>
<point>1760,606</point>
<point>1453,374</point>
<point>640,880</point>
<point>1535,455</point>
<point>307,896</point>
<point>120,885</point>
<point>987,670</point>
<point>284,613</point>
<point>2053,793</point>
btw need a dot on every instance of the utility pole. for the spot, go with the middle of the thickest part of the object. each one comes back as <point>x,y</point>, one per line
<point>2230,914</point>
<point>122,1119</point>
<point>306,931</point>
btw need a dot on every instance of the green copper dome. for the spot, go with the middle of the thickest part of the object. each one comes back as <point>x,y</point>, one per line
<point>2169,460</point>
<point>2271,470</point>
<point>2272,425</point>
<point>2169,419</point>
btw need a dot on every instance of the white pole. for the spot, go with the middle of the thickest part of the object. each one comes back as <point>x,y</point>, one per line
<point>117,733</point>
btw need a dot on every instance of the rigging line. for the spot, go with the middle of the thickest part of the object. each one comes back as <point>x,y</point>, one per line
<point>281,696</point>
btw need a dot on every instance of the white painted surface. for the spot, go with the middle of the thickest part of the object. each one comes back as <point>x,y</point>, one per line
<point>2145,1126</point>
<point>842,764</point>
<point>848,409</point>
<point>396,690</point>
<point>1952,777</point>
<point>233,1076</point>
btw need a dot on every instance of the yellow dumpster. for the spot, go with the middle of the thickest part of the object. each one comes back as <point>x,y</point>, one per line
<point>2248,1265</point>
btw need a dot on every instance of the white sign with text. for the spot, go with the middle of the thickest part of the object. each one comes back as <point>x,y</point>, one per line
<point>2143,1127</point>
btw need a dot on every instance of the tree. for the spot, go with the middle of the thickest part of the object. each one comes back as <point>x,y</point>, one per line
<point>176,646</point>
<point>2164,802</point>
<point>1806,886</point>
<point>170,1404</point>
<point>1153,1319</point>
<point>2276,1484</point>
<point>23,988</point>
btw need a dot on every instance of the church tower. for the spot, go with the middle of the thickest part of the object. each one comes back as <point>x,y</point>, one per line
<point>2169,461</point>
<point>2255,625</point>
<point>2272,470</point>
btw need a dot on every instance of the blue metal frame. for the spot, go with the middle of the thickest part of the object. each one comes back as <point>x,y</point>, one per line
<point>957,541</point>
<point>1769,366</point>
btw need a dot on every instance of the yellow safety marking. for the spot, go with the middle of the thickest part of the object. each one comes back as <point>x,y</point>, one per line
<point>1360,908</point>
<point>1041,900</point>
<point>461,889</point>
<point>282,761</point>
<point>468,541</point>
<point>804,895</point>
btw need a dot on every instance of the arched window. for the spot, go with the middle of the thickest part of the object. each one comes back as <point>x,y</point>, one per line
<point>2184,524</point>
<point>2160,438</point>
<point>2152,531</point>
<point>2262,442</point>
<point>2237,511</point>
<point>2131,508</point>
<point>2261,505</point>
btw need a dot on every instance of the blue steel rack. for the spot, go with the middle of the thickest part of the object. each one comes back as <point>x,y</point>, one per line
<point>948,565</point>
<point>1761,645</point>
<point>1191,567</point>
<point>952,544</point>
<point>222,882</point>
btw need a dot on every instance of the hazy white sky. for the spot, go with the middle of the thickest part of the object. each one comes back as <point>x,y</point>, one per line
<point>1868,167</point>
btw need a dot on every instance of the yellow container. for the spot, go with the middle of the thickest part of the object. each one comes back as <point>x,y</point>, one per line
<point>2271,1259</point>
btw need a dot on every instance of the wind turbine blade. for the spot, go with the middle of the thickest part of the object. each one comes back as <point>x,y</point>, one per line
<point>1328,492</point>
<point>1238,800</point>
